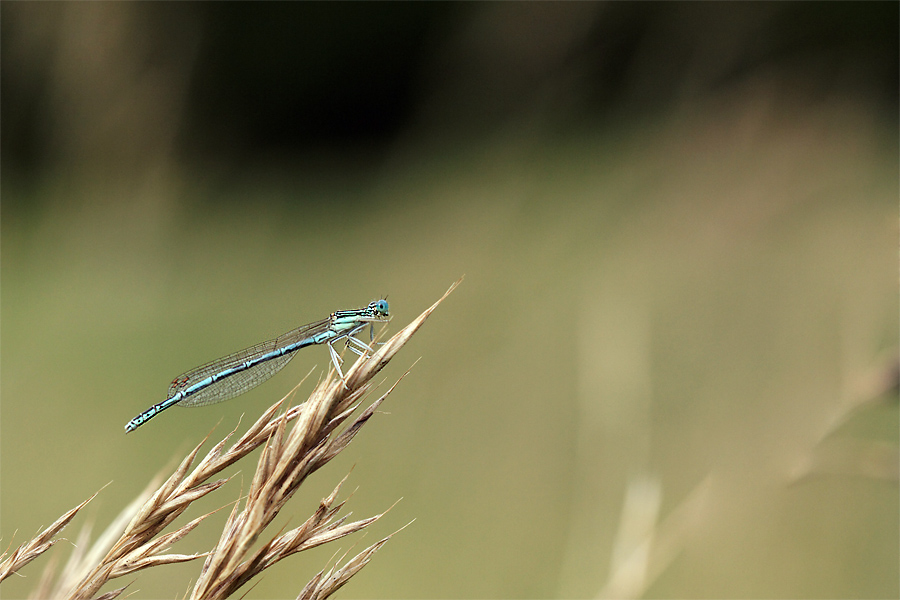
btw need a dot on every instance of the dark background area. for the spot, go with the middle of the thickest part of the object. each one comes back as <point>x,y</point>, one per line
<point>261,80</point>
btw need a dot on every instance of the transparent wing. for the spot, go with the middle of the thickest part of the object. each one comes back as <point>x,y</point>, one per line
<point>237,384</point>
<point>242,380</point>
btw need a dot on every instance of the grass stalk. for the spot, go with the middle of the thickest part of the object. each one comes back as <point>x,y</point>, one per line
<point>295,444</point>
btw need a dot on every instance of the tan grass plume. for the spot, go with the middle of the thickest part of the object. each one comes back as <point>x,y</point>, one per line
<point>294,445</point>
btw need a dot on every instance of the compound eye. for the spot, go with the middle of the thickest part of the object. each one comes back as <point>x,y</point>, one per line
<point>382,306</point>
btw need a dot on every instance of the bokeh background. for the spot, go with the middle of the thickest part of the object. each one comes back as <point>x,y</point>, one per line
<point>670,370</point>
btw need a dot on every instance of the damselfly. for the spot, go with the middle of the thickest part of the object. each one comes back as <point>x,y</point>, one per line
<point>237,373</point>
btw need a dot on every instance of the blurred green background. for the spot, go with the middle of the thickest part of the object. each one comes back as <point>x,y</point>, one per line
<point>670,371</point>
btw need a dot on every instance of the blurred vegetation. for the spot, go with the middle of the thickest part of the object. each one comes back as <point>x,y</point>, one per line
<point>671,368</point>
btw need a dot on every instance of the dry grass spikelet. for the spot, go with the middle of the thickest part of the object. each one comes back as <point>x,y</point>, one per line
<point>294,444</point>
